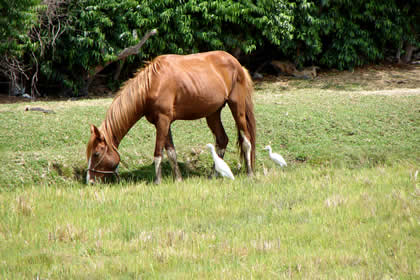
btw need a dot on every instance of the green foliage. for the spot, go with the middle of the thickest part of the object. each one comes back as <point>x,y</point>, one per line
<point>345,34</point>
<point>17,17</point>
<point>358,32</point>
<point>99,30</point>
<point>69,39</point>
<point>305,42</point>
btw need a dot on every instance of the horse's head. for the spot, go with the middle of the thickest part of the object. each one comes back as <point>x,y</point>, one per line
<point>103,157</point>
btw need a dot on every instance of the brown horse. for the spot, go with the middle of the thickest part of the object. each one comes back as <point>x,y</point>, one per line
<point>176,87</point>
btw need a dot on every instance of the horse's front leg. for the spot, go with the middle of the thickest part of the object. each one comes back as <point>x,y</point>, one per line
<point>162,130</point>
<point>171,153</point>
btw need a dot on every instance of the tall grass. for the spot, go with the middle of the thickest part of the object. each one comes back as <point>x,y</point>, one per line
<point>347,205</point>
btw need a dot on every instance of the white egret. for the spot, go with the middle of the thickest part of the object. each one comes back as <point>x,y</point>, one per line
<point>219,164</point>
<point>278,159</point>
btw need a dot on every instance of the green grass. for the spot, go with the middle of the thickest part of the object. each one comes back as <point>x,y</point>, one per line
<point>347,206</point>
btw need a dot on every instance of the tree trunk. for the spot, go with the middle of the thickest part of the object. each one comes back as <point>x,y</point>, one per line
<point>409,49</point>
<point>118,70</point>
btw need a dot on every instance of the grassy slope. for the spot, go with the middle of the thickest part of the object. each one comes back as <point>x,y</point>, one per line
<point>347,205</point>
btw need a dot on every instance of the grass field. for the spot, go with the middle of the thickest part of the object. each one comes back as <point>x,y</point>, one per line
<point>347,206</point>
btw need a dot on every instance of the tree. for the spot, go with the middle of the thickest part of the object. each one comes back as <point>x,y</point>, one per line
<point>17,18</point>
<point>66,42</point>
<point>96,32</point>
<point>345,34</point>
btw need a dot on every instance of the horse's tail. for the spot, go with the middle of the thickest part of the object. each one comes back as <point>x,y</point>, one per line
<point>249,114</point>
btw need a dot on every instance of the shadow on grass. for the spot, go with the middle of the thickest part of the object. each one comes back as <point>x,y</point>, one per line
<point>145,173</point>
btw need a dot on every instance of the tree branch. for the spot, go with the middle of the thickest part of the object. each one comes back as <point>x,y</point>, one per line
<point>125,52</point>
<point>122,55</point>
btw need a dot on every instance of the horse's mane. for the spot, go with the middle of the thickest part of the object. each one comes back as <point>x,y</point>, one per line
<point>127,107</point>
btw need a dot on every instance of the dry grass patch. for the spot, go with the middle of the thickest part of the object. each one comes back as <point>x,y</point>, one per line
<point>335,200</point>
<point>67,233</point>
<point>23,206</point>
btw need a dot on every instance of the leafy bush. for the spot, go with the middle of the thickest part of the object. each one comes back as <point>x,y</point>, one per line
<point>67,40</point>
<point>345,34</point>
<point>17,17</point>
<point>97,31</point>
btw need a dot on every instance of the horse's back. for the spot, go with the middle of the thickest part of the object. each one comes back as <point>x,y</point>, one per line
<point>209,63</point>
<point>194,86</point>
<point>213,57</point>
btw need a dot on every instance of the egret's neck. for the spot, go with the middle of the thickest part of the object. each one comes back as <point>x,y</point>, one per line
<point>213,152</point>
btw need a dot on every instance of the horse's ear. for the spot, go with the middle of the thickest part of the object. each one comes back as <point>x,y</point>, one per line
<point>95,131</point>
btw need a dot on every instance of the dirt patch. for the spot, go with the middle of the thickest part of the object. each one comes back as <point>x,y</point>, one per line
<point>370,78</point>
<point>6,99</point>
<point>375,77</point>
<point>391,92</point>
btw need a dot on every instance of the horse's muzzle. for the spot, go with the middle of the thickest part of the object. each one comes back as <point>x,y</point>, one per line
<point>90,180</point>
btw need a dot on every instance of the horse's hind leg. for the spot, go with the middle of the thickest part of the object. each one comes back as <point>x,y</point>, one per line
<point>238,112</point>
<point>215,124</point>
<point>171,153</point>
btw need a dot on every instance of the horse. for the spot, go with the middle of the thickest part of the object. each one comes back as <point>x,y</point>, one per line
<point>176,87</point>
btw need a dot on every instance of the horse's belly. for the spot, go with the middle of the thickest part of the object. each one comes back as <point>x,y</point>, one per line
<point>197,108</point>
<point>200,93</point>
